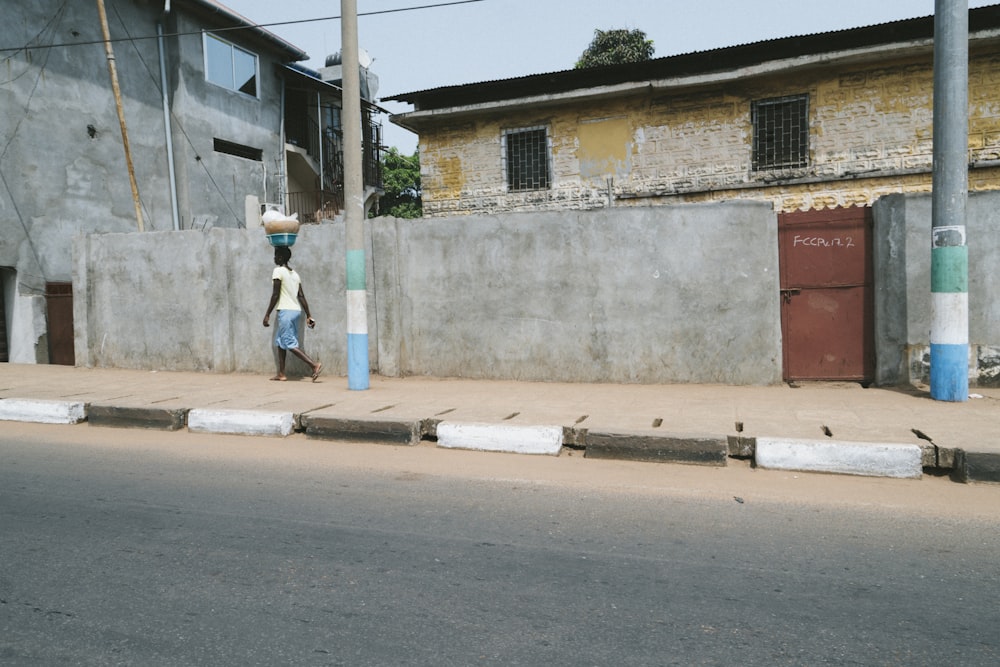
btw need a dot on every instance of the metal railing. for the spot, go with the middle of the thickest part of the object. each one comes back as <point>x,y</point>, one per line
<point>326,203</point>
<point>314,206</point>
<point>372,147</point>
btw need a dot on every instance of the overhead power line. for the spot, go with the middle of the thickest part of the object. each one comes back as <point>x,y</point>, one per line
<point>28,47</point>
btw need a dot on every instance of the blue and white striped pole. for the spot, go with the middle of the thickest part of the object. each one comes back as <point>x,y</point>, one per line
<point>357,321</point>
<point>354,206</point>
<point>949,252</point>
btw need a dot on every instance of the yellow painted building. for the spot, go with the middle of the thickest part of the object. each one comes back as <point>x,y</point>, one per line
<point>827,120</point>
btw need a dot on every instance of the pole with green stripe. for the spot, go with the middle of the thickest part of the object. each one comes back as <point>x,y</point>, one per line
<point>354,206</point>
<point>949,251</point>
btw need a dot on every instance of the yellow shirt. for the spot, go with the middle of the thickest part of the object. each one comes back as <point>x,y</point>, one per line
<point>288,299</point>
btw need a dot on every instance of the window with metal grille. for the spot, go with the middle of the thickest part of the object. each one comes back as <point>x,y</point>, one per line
<point>526,158</point>
<point>780,132</point>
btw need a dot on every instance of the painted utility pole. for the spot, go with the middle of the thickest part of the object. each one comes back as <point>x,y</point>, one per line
<point>354,205</point>
<point>949,252</point>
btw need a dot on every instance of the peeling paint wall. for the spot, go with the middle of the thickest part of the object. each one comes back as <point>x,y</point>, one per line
<point>605,149</point>
<point>27,342</point>
<point>870,136</point>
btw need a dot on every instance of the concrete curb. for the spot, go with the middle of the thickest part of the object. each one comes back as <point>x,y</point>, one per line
<point>822,456</point>
<point>975,467</point>
<point>42,411</point>
<point>843,457</point>
<point>666,448</point>
<point>512,438</point>
<point>154,418</point>
<point>381,431</point>
<point>241,422</point>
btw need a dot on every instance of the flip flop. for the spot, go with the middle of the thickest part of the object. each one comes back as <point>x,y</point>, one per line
<point>319,369</point>
<point>279,379</point>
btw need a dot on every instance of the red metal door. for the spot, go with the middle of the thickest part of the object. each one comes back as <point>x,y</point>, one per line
<point>59,304</point>
<point>826,294</point>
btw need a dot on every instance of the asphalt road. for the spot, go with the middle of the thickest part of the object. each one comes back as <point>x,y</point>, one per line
<point>135,548</point>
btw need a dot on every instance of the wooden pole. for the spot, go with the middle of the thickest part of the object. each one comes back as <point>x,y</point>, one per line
<point>113,71</point>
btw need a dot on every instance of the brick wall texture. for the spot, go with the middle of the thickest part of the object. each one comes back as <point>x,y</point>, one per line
<point>870,130</point>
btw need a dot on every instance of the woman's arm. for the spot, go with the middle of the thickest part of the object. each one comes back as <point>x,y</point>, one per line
<point>305,306</point>
<point>275,293</point>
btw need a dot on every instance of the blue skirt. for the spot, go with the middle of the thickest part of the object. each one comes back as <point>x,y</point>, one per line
<point>287,334</point>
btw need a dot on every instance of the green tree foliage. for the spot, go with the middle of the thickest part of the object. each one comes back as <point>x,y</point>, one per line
<point>401,182</point>
<point>616,46</point>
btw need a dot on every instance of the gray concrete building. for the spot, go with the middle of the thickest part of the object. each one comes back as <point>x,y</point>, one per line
<point>219,122</point>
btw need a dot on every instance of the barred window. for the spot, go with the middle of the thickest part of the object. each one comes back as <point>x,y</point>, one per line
<point>780,132</point>
<point>526,158</point>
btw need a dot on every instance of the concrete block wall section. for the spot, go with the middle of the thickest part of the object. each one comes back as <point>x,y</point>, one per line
<point>678,294</point>
<point>902,265</point>
<point>669,294</point>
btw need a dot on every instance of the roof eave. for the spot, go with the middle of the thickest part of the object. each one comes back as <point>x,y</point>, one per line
<point>414,119</point>
<point>308,81</point>
<point>232,19</point>
<point>887,36</point>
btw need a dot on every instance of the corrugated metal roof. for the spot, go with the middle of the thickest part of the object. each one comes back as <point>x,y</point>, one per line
<point>687,64</point>
<point>310,79</point>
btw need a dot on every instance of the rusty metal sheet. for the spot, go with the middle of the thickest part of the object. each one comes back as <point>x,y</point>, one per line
<point>828,329</point>
<point>827,294</point>
<point>825,251</point>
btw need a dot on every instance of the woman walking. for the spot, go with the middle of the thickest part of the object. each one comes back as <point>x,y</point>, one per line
<point>290,300</point>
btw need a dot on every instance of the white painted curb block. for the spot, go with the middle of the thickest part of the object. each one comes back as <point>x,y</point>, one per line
<point>500,437</point>
<point>241,422</point>
<point>42,411</point>
<point>849,458</point>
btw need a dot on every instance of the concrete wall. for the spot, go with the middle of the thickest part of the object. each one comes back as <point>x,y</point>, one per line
<point>63,164</point>
<point>903,288</point>
<point>194,300</point>
<point>660,294</point>
<point>679,294</point>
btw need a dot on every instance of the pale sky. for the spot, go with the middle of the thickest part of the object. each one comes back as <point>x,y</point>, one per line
<point>484,40</point>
